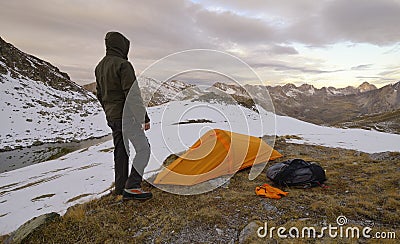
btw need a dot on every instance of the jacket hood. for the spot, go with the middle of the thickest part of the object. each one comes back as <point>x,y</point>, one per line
<point>117,45</point>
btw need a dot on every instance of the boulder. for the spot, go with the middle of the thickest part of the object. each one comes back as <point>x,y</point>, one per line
<point>20,235</point>
<point>249,233</point>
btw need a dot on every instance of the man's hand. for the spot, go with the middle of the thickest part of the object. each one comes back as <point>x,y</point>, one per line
<point>146,126</point>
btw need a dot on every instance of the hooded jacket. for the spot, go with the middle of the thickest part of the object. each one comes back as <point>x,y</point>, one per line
<point>115,77</point>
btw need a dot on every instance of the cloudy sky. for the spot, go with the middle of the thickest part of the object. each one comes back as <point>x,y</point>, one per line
<point>324,42</point>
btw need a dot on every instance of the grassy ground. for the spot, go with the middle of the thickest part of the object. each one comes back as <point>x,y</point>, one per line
<point>386,122</point>
<point>362,187</point>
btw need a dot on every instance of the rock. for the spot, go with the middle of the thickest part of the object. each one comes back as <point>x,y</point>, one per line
<point>249,233</point>
<point>20,235</point>
<point>269,207</point>
<point>222,181</point>
<point>37,143</point>
<point>219,231</point>
<point>385,156</point>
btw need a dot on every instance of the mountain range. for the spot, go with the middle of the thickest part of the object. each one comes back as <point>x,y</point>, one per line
<point>327,105</point>
<point>336,106</point>
<point>364,106</point>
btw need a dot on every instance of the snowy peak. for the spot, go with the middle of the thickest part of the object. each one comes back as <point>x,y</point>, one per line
<point>230,88</point>
<point>155,92</point>
<point>292,90</point>
<point>365,87</point>
<point>310,90</point>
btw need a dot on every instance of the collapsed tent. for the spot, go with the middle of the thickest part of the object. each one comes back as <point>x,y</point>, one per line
<point>216,153</point>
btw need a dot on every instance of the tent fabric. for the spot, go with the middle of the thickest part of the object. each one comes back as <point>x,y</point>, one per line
<point>216,153</point>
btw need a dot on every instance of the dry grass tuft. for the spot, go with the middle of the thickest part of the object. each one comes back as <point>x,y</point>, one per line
<point>75,213</point>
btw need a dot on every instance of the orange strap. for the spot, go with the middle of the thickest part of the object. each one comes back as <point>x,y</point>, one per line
<point>270,192</point>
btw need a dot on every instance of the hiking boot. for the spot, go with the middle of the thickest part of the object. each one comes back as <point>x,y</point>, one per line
<point>137,194</point>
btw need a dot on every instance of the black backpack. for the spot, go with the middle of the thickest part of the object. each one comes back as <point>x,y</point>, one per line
<point>297,172</point>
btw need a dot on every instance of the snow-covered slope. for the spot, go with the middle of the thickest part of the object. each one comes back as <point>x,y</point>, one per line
<point>88,173</point>
<point>33,112</point>
<point>41,104</point>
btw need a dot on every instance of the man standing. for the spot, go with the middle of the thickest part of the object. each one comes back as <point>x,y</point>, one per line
<point>115,77</point>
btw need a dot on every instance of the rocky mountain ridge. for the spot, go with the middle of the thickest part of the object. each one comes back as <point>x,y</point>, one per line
<point>291,90</point>
<point>41,104</point>
<point>155,92</point>
<point>327,105</point>
<point>22,65</point>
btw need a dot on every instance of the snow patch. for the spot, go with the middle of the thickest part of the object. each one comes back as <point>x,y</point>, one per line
<point>33,111</point>
<point>230,91</point>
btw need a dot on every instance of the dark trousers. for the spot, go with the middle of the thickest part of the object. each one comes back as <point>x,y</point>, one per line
<point>134,134</point>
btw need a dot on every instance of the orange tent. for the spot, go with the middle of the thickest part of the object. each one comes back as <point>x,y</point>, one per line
<point>216,153</point>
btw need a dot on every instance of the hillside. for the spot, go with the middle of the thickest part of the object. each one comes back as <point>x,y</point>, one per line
<point>385,122</point>
<point>362,187</point>
<point>41,104</point>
